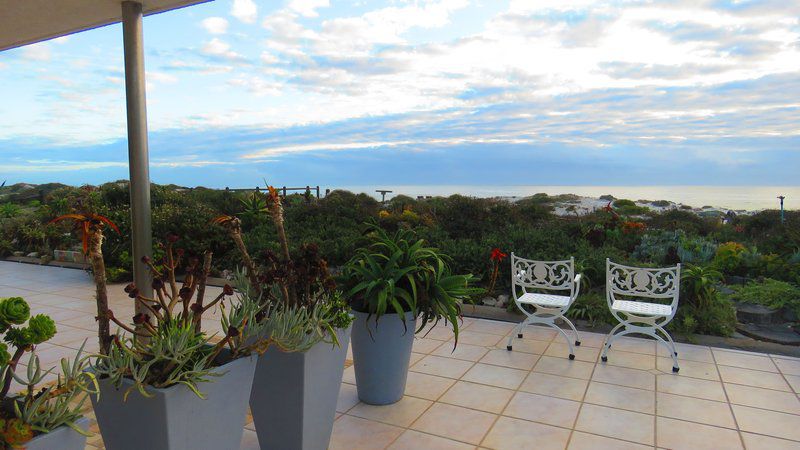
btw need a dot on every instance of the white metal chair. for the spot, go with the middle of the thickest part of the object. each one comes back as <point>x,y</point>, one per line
<point>527,275</point>
<point>625,286</point>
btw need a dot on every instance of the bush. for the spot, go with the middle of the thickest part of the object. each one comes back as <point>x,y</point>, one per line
<point>771,293</point>
<point>729,258</point>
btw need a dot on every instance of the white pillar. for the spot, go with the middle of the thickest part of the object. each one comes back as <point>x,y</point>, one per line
<point>138,160</point>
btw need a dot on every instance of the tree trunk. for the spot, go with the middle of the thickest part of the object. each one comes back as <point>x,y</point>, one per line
<point>99,270</point>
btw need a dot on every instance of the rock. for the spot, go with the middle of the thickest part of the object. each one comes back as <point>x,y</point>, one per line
<point>489,301</point>
<point>757,314</point>
<point>33,255</point>
<point>19,253</point>
<point>502,300</point>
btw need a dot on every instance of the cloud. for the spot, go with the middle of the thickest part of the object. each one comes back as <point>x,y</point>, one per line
<point>37,52</point>
<point>220,49</point>
<point>245,10</point>
<point>215,25</point>
<point>307,8</point>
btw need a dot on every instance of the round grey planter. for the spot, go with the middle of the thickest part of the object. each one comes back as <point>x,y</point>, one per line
<point>174,418</point>
<point>62,438</point>
<point>381,353</point>
<point>294,395</point>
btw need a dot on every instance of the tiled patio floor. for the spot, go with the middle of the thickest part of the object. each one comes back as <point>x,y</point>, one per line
<point>482,396</point>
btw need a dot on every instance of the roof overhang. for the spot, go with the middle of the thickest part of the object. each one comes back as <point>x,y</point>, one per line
<point>25,22</point>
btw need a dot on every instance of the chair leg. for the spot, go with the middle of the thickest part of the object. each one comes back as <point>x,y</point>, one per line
<point>574,330</point>
<point>607,341</point>
<point>670,346</point>
<point>669,338</point>
<point>517,329</point>
<point>569,341</point>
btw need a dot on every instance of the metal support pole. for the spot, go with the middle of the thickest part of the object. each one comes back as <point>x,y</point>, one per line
<point>783,218</point>
<point>142,234</point>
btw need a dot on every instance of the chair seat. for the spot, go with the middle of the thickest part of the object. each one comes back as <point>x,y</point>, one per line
<point>641,308</point>
<point>547,300</point>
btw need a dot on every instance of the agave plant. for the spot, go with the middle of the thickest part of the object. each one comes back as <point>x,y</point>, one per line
<point>398,273</point>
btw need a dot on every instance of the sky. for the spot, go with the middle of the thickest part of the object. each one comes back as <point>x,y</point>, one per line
<point>481,92</point>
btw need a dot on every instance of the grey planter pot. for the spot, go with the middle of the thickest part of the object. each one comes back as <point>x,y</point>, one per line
<point>381,353</point>
<point>62,438</point>
<point>175,418</point>
<point>294,395</point>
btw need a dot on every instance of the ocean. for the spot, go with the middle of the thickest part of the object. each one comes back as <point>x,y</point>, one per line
<point>726,197</point>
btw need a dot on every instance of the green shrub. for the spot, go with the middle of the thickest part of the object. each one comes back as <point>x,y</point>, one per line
<point>771,293</point>
<point>729,258</point>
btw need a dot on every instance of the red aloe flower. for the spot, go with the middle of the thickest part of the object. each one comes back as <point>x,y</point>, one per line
<point>497,255</point>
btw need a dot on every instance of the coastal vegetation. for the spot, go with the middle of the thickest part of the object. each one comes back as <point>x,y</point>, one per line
<point>752,258</point>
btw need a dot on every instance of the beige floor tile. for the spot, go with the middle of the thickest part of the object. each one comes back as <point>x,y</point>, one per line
<point>439,332</point>
<point>757,378</point>
<point>635,345</point>
<point>621,397</point>
<point>513,359</point>
<point>688,352</point>
<point>348,397</point>
<point>543,409</point>
<point>414,440</point>
<point>794,382</point>
<point>787,366</point>
<point>631,360</point>
<point>504,377</point>
<point>466,352</point>
<point>616,423</point>
<point>491,327</point>
<point>693,369</point>
<point>526,346</point>
<point>478,396</point>
<point>564,367</point>
<point>680,435</point>
<point>554,386</point>
<point>249,441</point>
<point>594,340</point>
<point>349,375</point>
<point>746,360</point>
<point>515,434</point>
<point>763,398</point>
<point>624,376</point>
<point>426,346</point>
<point>455,422</point>
<point>560,349</point>
<point>586,441</point>
<point>440,366</point>
<point>415,357</point>
<point>772,423</point>
<point>427,386</point>
<point>402,413</point>
<point>695,410</point>
<point>475,338</point>
<point>352,432</point>
<point>538,333</point>
<point>691,387</point>
<point>759,442</point>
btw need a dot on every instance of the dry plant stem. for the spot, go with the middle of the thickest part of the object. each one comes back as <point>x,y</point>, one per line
<point>201,290</point>
<point>171,272</point>
<point>277,219</point>
<point>210,305</point>
<point>12,366</point>
<point>99,272</point>
<point>252,273</point>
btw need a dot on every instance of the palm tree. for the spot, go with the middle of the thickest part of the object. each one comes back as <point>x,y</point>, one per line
<point>91,228</point>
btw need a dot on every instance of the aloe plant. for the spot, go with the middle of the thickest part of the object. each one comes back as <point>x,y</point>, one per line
<point>399,273</point>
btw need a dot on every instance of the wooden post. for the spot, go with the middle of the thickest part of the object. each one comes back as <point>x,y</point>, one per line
<point>317,192</point>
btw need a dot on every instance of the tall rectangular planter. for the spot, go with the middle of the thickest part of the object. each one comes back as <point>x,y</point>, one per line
<point>62,438</point>
<point>175,418</point>
<point>294,395</point>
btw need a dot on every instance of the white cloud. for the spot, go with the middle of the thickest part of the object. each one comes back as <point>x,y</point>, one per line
<point>307,8</point>
<point>161,77</point>
<point>62,39</point>
<point>215,25</point>
<point>37,52</point>
<point>221,49</point>
<point>245,10</point>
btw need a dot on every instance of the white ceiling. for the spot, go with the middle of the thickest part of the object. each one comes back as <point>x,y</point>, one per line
<point>27,21</point>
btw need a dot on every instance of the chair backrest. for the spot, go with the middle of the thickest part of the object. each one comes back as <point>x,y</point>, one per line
<point>549,275</point>
<point>643,282</point>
